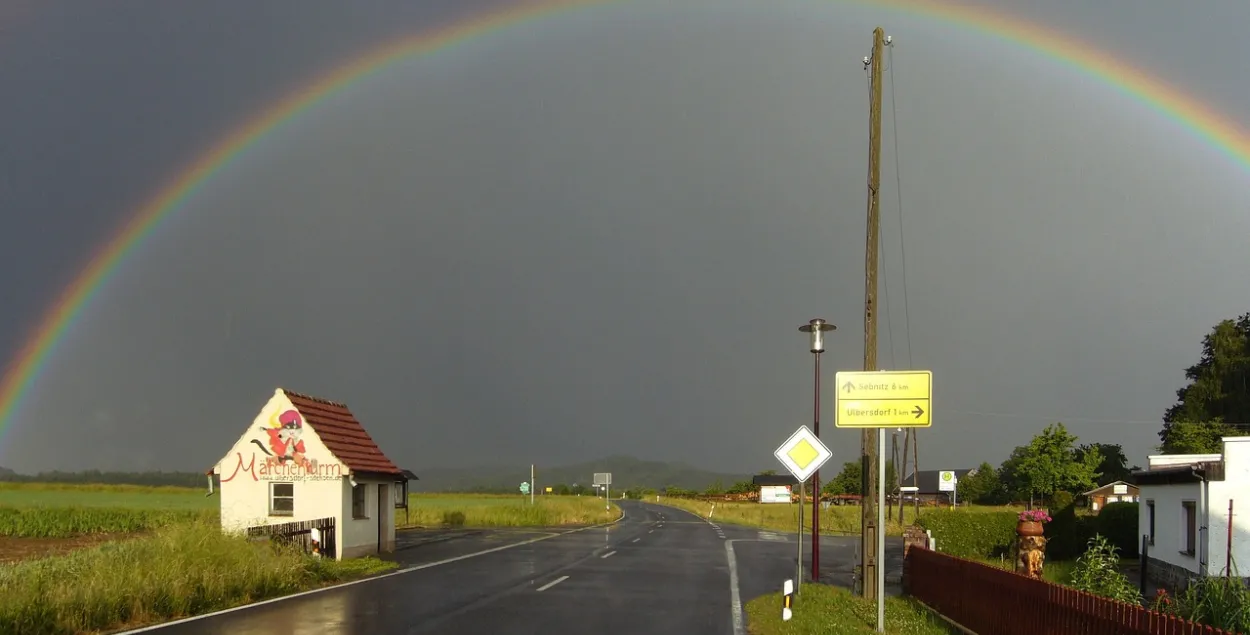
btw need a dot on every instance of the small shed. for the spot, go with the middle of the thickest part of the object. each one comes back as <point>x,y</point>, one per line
<point>306,470</point>
<point>1115,492</point>
<point>774,488</point>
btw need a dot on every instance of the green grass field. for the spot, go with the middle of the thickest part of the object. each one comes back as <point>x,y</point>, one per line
<point>835,520</point>
<point>821,609</point>
<point>40,510</point>
<point>489,510</point>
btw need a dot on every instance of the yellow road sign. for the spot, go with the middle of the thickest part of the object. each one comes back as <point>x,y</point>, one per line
<point>885,399</point>
<point>802,453</point>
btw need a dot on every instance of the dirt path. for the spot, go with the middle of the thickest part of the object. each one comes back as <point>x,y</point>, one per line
<point>15,549</point>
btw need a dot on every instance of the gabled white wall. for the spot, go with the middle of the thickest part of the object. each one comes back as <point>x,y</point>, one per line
<point>246,475</point>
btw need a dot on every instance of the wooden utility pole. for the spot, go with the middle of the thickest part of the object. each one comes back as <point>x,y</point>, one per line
<point>869,531</point>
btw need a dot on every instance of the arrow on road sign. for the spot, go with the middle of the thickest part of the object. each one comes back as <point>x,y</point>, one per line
<point>918,411</point>
<point>848,386</point>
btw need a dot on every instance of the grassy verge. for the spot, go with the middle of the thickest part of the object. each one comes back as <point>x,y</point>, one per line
<point>486,510</point>
<point>837,520</point>
<point>187,569</point>
<point>1053,571</point>
<point>826,609</point>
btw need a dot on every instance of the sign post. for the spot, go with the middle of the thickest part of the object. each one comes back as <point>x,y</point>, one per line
<point>802,454</point>
<point>883,399</point>
<point>947,482</point>
<point>604,479</point>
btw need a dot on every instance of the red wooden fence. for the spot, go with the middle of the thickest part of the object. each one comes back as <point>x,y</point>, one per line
<point>991,601</point>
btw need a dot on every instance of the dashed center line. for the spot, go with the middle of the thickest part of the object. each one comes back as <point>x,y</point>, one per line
<point>608,554</point>
<point>637,539</point>
<point>651,531</point>
<point>553,583</point>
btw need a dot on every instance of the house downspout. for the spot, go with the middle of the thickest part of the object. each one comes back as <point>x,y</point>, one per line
<point>1204,496</point>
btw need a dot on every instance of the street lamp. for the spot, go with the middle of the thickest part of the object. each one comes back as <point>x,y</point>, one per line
<point>816,329</point>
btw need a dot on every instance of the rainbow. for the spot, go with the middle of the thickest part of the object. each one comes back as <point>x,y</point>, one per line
<point>1215,129</point>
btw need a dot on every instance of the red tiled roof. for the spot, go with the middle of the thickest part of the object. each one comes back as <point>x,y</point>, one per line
<point>339,430</point>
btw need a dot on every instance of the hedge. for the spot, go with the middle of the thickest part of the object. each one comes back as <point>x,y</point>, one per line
<point>973,535</point>
<point>1118,523</point>
<point>1067,534</point>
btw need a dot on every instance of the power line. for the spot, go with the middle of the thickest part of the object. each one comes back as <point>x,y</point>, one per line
<point>898,187</point>
<point>1066,419</point>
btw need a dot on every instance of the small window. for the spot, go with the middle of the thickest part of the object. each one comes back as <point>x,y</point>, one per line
<point>1190,529</point>
<point>360,502</point>
<point>281,499</point>
<point>1150,522</point>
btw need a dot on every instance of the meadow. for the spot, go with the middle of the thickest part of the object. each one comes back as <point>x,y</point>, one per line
<point>836,520</point>
<point>89,558</point>
<point>503,510</point>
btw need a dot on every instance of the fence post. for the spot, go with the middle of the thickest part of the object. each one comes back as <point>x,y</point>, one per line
<point>1145,548</point>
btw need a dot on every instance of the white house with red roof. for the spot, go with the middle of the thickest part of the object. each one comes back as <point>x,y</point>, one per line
<point>307,463</point>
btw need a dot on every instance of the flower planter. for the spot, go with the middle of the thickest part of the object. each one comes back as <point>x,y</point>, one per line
<point>1029,528</point>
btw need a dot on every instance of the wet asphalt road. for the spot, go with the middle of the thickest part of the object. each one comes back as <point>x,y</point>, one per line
<point>659,570</point>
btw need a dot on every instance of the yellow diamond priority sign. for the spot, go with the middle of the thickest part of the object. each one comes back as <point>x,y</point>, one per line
<point>802,453</point>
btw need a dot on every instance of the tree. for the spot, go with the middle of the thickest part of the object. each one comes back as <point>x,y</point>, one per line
<point>1217,399</point>
<point>980,486</point>
<point>850,479</point>
<point>1050,463</point>
<point>1114,466</point>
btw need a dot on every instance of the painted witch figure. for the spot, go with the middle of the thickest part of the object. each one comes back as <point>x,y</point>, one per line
<point>284,433</point>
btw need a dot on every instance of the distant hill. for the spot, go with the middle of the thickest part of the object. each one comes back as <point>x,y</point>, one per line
<point>626,472</point>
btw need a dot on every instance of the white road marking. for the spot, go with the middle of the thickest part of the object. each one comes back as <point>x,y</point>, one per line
<point>735,599</point>
<point>636,539</point>
<point>608,554</point>
<point>651,531</point>
<point>553,583</point>
<point>155,627</point>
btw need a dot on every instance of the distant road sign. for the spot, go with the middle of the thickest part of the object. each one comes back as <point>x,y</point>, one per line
<point>525,488</point>
<point>947,481</point>
<point>603,478</point>
<point>909,489</point>
<point>548,490</point>
<point>802,453</point>
<point>887,399</point>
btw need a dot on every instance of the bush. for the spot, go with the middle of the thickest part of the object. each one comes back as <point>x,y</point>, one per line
<point>1118,523</point>
<point>453,518</point>
<point>1060,500</point>
<point>1068,535</point>
<point>1097,571</point>
<point>972,535</point>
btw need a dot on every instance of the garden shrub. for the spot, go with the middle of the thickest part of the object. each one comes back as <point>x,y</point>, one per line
<point>1068,534</point>
<point>1118,523</point>
<point>1097,571</point>
<point>1060,500</point>
<point>973,535</point>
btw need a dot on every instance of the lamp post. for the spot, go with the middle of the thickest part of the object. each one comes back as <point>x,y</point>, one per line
<point>816,329</point>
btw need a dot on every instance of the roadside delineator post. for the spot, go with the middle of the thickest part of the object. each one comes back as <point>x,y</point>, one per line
<point>787,600</point>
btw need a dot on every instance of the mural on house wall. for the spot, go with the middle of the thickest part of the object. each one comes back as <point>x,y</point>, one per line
<point>283,455</point>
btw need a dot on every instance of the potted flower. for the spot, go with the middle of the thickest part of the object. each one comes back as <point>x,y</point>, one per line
<point>1031,522</point>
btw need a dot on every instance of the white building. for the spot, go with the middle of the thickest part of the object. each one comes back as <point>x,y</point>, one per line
<point>309,461</point>
<point>1184,513</point>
